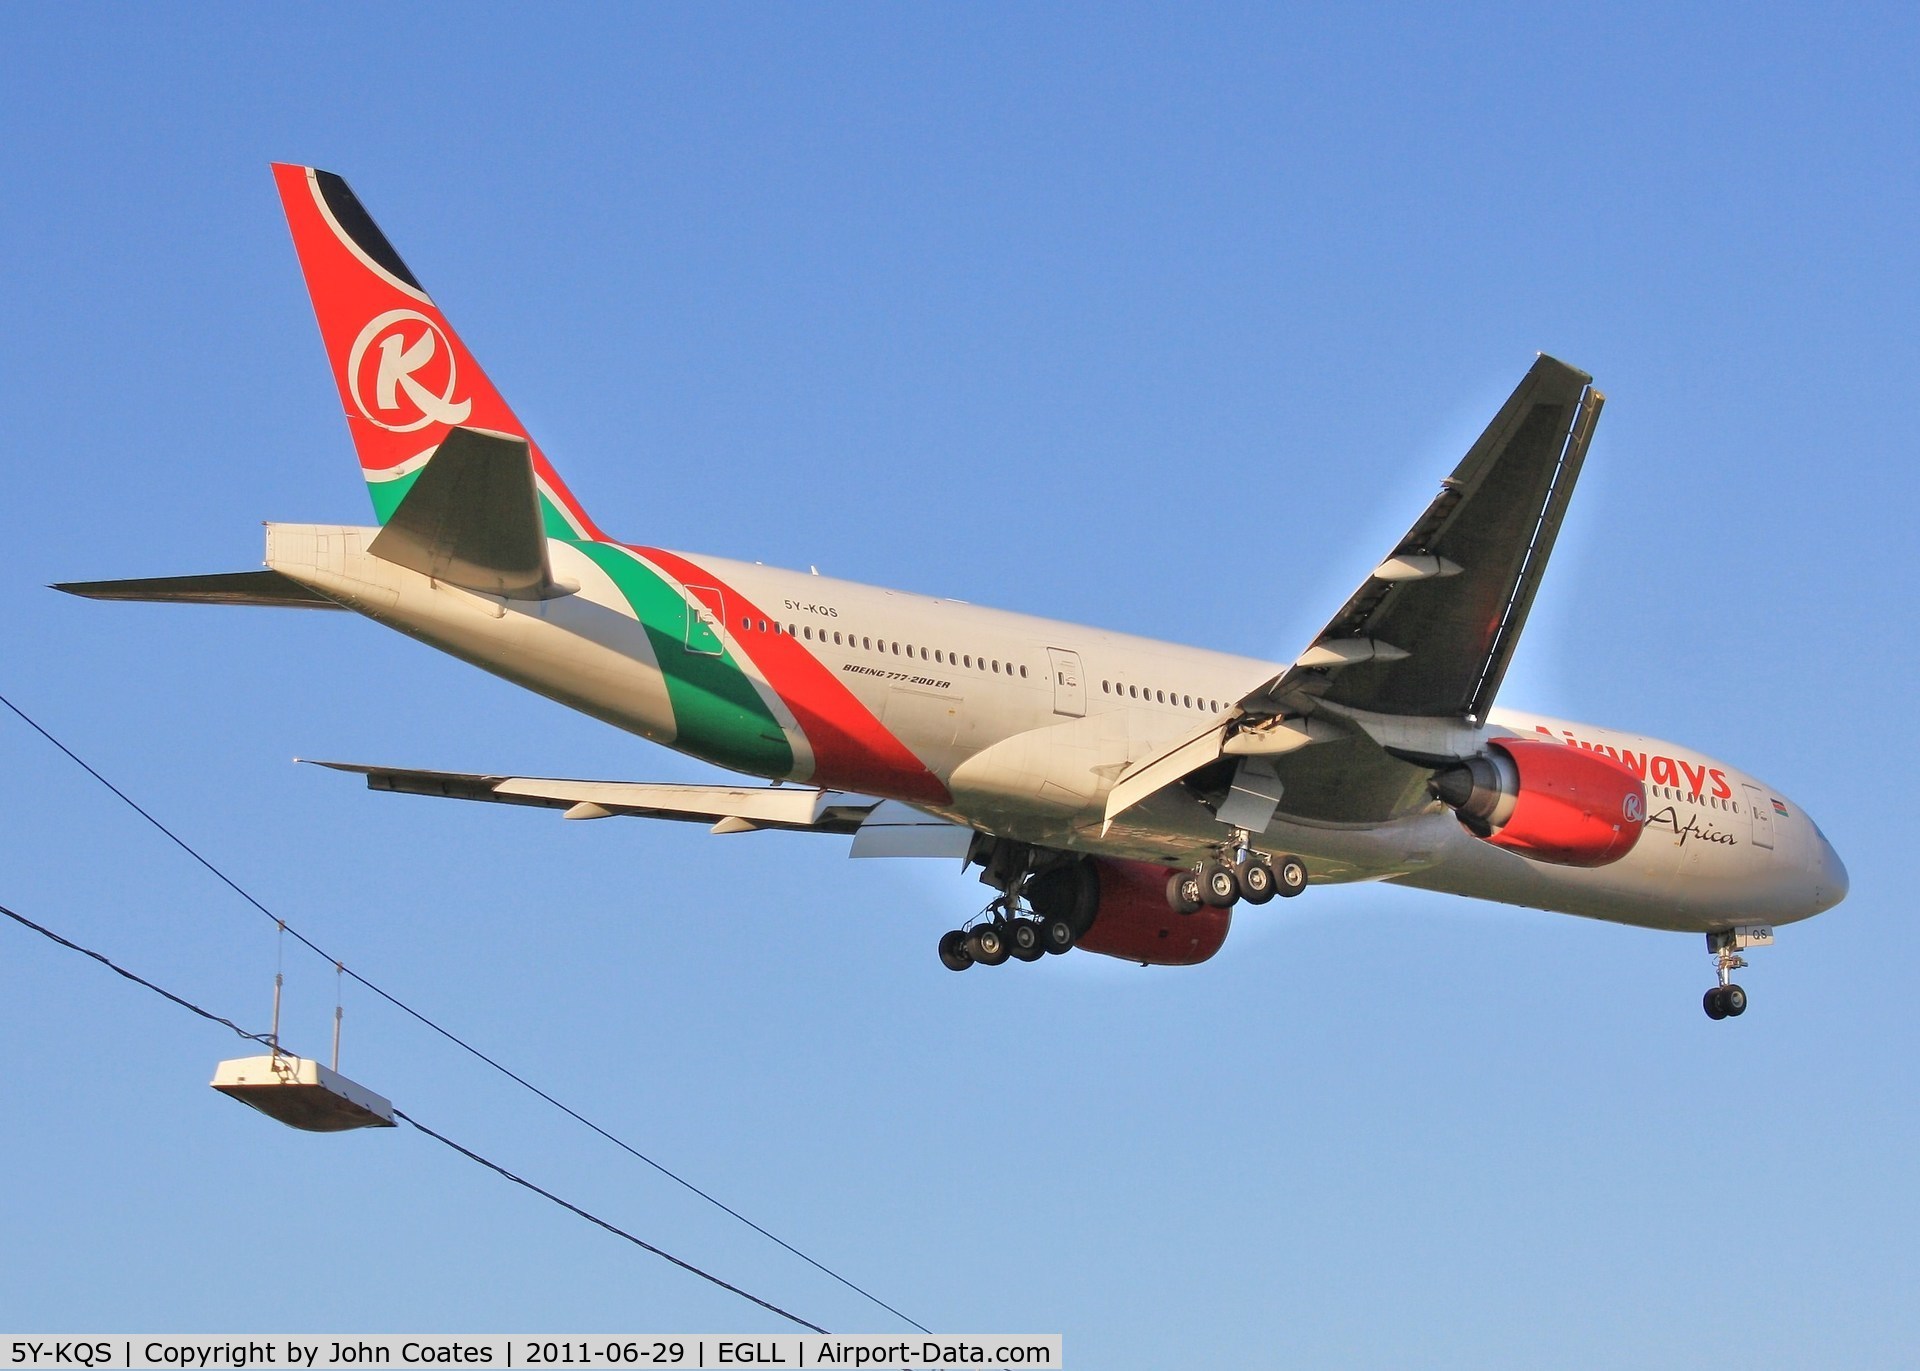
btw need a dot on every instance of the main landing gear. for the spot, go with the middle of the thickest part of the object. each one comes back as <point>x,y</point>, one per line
<point>1005,931</point>
<point>1234,873</point>
<point>1010,927</point>
<point>1727,1000</point>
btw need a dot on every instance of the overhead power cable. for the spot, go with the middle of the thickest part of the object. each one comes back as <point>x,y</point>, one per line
<point>592,1218</point>
<point>267,1039</point>
<point>448,1034</point>
<point>264,1039</point>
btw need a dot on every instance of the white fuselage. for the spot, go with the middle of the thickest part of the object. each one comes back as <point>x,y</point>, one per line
<point>1027,722</point>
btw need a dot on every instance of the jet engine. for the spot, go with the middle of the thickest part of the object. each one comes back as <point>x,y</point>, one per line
<point>1119,909</point>
<point>1548,801</point>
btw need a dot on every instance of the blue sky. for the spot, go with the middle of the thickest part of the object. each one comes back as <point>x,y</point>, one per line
<point>1160,319</point>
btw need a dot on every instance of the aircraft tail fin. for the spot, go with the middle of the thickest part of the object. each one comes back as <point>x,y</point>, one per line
<point>405,378</point>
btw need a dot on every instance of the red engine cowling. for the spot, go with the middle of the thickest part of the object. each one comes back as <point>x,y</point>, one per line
<point>1548,801</point>
<point>1119,909</point>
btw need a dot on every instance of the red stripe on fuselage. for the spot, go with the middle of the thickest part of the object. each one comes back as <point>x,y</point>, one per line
<point>852,749</point>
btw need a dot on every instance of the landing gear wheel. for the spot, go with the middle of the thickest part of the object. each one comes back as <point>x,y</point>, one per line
<point>987,945</point>
<point>1219,887</point>
<point>1023,940</point>
<point>1056,935</point>
<point>1290,877</point>
<point>1725,1002</point>
<point>1257,882</point>
<point>953,951</point>
<point>1183,892</point>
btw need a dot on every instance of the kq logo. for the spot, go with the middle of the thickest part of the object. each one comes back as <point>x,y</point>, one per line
<point>404,363</point>
<point>1633,809</point>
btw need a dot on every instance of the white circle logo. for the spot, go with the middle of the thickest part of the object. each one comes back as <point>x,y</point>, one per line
<point>1633,808</point>
<point>413,373</point>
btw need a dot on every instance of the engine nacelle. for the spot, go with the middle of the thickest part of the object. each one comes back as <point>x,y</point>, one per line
<point>1547,801</point>
<point>1119,909</point>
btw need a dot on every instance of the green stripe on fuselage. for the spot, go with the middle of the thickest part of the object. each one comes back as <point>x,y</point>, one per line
<point>555,519</point>
<point>388,494</point>
<point>717,713</point>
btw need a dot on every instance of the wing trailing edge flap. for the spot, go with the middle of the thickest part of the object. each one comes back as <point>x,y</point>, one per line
<point>1414,658</point>
<point>472,519</point>
<point>881,828</point>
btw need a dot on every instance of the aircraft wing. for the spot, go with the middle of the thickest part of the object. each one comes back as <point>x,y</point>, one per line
<point>1414,658</point>
<point>881,828</point>
<point>1430,632</point>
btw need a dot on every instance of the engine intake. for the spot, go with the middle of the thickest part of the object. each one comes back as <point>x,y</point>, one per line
<point>1548,801</point>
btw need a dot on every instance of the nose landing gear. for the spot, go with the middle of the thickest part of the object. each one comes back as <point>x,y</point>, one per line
<point>1727,1000</point>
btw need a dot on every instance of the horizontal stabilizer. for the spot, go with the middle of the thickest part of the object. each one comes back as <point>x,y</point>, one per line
<point>225,588</point>
<point>472,519</point>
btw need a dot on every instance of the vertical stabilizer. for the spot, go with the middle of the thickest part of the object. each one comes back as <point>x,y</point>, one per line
<point>405,377</point>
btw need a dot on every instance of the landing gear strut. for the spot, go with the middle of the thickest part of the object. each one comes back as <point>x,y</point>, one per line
<point>1235,872</point>
<point>1727,1000</point>
<point>1011,926</point>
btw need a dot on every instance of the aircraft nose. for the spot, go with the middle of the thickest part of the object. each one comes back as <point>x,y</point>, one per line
<point>1829,873</point>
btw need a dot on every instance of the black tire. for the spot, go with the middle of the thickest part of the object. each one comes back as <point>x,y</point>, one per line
<point>988,945</point>
<point>1734,1000</point>
<point>1257,881</point>
<point>1711,1002</point>
<point>1219,886</point>
<point>1023,940</point>
<point>1056,935</point>
<point>1290,877</point>
<point>953,951</point>
<point>1183,892</point>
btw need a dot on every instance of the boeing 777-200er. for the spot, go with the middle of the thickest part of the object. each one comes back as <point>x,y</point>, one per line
<point>1120,795</point>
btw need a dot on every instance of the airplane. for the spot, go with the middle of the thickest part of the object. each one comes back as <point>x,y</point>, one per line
<point>1119,795</point>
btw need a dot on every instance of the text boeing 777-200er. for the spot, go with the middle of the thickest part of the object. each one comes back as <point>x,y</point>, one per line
<point>1121,795</point>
